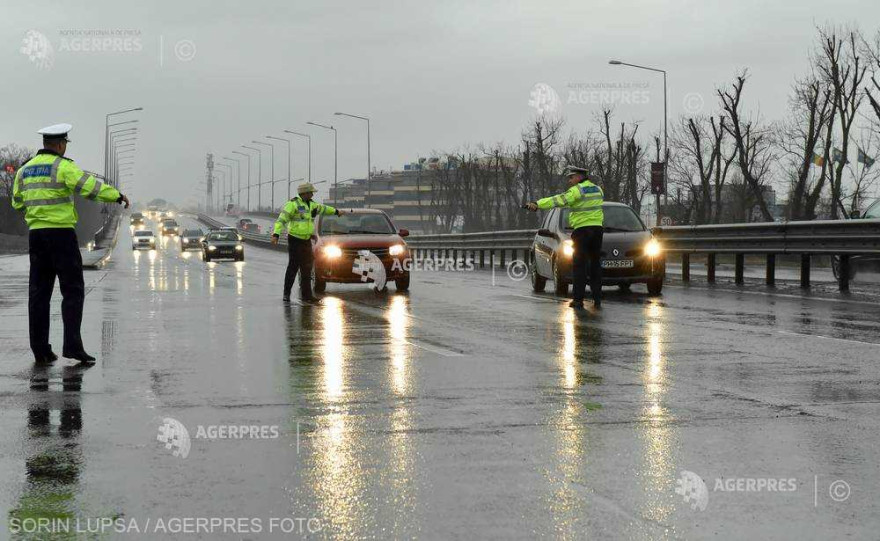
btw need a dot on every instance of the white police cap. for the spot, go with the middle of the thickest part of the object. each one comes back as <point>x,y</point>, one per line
<point>56,131</point>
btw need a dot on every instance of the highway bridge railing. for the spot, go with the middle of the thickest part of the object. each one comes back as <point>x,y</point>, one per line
<point>842,239</point>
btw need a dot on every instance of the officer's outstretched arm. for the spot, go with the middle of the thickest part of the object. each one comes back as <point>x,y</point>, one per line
<point>565,199</point>
<point>327,209</point>
<point>86,185</point>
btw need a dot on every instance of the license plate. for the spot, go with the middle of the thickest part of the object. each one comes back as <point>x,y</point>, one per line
<point>617,264</point>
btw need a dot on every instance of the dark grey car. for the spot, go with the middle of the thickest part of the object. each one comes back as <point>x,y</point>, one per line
<point>222,245</point>
<point>191,239</point>
<point>629,252</point>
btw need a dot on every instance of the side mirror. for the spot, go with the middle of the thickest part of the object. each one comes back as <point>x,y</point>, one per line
<point>855,215</point>
<point>403,232</point>
<point>547,233</point>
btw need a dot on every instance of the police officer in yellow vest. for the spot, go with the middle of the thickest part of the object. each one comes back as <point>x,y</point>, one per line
<point>298,217</point>
<point>44,189</point>
<point>586,218</point>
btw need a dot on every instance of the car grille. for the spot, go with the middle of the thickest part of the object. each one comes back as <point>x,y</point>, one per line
<point>353,252</point>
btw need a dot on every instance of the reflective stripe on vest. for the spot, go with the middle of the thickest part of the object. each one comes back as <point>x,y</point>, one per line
<point>44,202</point>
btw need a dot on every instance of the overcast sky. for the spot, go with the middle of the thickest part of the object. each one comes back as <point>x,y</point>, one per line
<point>214,75</point>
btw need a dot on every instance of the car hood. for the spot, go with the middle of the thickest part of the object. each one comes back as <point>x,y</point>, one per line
<point>362,241</point>
<point>627,244</point>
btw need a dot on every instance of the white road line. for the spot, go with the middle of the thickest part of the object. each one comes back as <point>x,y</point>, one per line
<point>790,333</point>
<point>434,349</point>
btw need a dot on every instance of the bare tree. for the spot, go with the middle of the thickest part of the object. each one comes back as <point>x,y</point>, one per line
<point>844,70</point>
<point>811,110</point>
<point>753,143</point>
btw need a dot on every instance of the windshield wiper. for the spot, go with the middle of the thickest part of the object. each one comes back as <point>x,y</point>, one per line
<point>364,232</point>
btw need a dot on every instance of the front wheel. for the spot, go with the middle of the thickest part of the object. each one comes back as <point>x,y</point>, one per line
<point>560,286</point>
<point>318,285</point>
<point>402,284</point>
<point>538,281</point>
<point>655,286</point>
<point>207,258</point>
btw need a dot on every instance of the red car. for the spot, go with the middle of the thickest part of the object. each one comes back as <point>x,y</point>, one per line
<point>341,238</point>
<point>246,224</point>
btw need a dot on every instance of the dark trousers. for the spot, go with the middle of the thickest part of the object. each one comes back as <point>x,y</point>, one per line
<point>587,251</point>
<point>299,260</point>
<point>55,252</point>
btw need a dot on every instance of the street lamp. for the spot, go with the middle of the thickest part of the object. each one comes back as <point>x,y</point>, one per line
<point>259,174</point>
<point>335,160</point>
<point>369,170</point>
<point>228,175</point>
<point>288,163</point>
<point>107,132</point>
<point>248,156</point>
<point>665,131</point>
<point>237,180</point>
<point>309,137</point>
<point>271,167</point>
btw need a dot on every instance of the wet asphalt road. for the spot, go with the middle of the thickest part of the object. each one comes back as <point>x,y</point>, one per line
<point>461,410</point>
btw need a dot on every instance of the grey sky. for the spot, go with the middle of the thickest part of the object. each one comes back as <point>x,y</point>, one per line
<point>431,75</point>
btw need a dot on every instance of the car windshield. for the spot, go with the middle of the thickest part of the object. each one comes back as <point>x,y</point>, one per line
<point>356,224</point>
<point>170,223</point>
<point>617,219</point>
<point>143,234</point>
<point>873,211</point>
<point>192,233</point>
<point>223,235</point>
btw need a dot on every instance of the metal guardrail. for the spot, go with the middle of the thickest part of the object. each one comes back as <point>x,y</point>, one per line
<point>839,238</point>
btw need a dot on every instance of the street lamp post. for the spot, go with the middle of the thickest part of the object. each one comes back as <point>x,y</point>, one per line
<point>237,181</point>
<point>107,133</point>
<point>259,174</point>
<point>665,130</point>
<point>248,199</point>
<point>369,169</point>
<point>271,167</point>
<point>335,159</point>
<point>229,176</point>
<point>309,137</point>
<point>288,161</point>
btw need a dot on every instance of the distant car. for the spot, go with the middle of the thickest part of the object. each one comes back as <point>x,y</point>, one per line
<point>170,227</point>
<point>137,220</point>
<point>248,225</point>
<point>143,239</point>
<point>340,238</point>
<point>630,254</point>
<point>223,245</point>
<point>191,239</point>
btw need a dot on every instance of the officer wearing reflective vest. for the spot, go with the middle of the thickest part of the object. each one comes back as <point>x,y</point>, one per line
<point>586,219</point>
<point>298,217</point>
<point>44,189</point>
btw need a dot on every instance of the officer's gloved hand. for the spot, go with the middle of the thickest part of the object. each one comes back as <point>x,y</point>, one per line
<point>314,212</point>
<point>274,239</point>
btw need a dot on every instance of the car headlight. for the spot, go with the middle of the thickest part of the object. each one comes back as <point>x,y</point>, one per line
<point>652,249</point>
<point>396,249</point>
<point>211,248</point>
<point>333,251</point>
<point>568,248</point>
<point>239,247</point>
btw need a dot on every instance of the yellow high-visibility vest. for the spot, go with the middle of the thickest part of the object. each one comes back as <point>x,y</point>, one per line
<point>298,217</point>
<point>44,189</point>
<point>585,201</point>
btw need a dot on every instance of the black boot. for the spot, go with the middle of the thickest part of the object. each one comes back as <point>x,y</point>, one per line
<point>80,356</point>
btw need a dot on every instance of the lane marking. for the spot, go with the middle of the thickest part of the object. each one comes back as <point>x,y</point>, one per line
<point>435,349</point>
<point>823,337</point>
